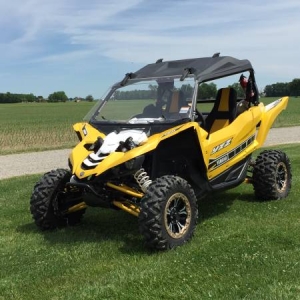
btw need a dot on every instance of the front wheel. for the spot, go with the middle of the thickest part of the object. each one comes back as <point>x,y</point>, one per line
<point>272,176</point>
<point>169,213</point>
<point>51,199</point>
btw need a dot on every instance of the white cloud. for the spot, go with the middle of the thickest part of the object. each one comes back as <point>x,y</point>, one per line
<point>70,32</point>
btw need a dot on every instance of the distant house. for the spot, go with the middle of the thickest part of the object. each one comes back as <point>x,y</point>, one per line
<point>41,99</point>
<point>77,99</point>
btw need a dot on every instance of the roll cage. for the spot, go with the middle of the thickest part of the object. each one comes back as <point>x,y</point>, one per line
<point>199,69</point>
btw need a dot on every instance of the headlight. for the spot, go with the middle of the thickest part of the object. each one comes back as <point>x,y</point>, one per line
<point>84,130</point>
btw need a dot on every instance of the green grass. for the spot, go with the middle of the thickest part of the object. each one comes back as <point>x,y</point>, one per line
<point>46,126</point>
<point>242,249</point>
<point>125,109</point>
<point>39,126</point>
<point>290,116</point>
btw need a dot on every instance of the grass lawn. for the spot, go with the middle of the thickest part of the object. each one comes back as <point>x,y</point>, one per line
<point>242,249</point>
<point>44,126</point>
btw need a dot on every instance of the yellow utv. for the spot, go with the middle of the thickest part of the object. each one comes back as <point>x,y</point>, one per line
<point>162,138</point>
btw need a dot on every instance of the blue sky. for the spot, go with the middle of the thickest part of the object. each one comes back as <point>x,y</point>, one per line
<point>83,47</point>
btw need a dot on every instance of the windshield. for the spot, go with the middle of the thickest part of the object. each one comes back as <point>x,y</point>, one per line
<point>146,101</point>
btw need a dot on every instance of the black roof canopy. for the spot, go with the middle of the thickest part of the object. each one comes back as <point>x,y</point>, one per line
<point>204,69</point>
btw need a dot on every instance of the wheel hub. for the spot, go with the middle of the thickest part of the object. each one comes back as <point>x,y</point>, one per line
<point>281,177</point>
<point>177,215</point>
<point>174,216</point>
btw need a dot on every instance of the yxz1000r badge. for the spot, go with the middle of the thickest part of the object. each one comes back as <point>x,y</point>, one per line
<point>219,161</point>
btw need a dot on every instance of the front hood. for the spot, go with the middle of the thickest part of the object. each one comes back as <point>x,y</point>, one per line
<point>114,149</point>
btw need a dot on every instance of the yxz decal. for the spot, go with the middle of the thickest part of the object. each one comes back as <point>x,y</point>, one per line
<point>219,161</point>
<point>221,146</point>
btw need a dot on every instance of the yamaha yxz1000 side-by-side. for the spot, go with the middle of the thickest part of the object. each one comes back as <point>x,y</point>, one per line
<point>159,141</point>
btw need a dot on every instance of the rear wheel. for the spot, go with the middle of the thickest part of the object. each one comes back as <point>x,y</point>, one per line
<point>272,175</point>
<point>169,213</point>
<point>51,199</point>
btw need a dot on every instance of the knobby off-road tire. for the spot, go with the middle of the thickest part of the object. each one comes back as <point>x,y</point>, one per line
<point>48,201</point>
<point>272,177</point>
<point>169,213</point>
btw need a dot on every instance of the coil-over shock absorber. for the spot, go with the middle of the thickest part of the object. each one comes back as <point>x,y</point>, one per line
<point>143,179</point>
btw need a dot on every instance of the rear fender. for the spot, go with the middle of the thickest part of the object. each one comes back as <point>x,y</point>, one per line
<point>269,114</point>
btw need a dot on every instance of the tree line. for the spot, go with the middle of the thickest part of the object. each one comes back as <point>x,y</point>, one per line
<point>209,90</point>
<point>59,96</point>
<point>16,98</point>
<point>205,91</point>
<point>280,89</point>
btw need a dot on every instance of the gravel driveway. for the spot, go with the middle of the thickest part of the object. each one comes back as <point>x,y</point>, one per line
<point>41,162</point>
